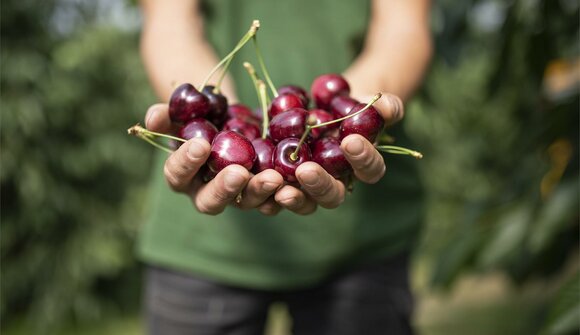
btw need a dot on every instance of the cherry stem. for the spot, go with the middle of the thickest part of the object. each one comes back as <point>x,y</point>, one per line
<point>263,67</point>
<point>264,101</point>
<point>252,72</point>
<point>137,130</point>
<point>309,127</point>
<point>392,149</point>
<point>251,33</point>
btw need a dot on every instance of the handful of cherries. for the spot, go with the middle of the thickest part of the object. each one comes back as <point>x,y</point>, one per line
<point>283,133</point>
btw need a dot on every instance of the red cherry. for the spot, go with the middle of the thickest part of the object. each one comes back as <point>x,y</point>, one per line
<point>368,123</point>
<point>318,116</point>
<point>341,105</point>
<point>291,123</point>
<point>187,103</point>
<point>249,129</point>
<point>264,151</point>
<point>328,154</point>
<point>229,147</point>
<point>284,102</point>
<point>218,105</point>
<point>284,164</point>
<point>326,87</point>
<point>243,112</point>
<point>198,128</point>
<point>299,91</point>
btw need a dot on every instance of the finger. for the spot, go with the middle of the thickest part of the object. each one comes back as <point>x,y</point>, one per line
<point>157,119</point>
<point>295,200</point>
<point>270,207</point>
<point>213,197</point>
<point>391,108</point>
<point>321,186</point>
<point>260,187</point>
<point>183,164</point>
<point>368,164</point>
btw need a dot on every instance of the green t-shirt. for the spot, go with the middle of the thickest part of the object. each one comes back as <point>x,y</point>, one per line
<point>300,40</point>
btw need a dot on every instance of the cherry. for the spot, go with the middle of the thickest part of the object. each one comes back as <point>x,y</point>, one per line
<point>283,162</point>
<point>200,128</point>
<point>247,128</point>
<point>368,123</point>
<point>229,147</point>
<point>291,123</point>
<point>326,87</point>
<point>341,105</point>
<point>240,111</point>
<point>297,90</point>
<point>284,102</point>
<point>264,151</point>
<point>187,103</point>
<point>218,105</point>
<point>328,154</point>
<point>318,116</point>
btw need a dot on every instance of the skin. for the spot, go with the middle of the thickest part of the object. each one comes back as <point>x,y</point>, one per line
<point>173,35</point>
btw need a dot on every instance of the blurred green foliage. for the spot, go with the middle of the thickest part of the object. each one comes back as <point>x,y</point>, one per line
<point>500,167</point>
<point>72,181</point>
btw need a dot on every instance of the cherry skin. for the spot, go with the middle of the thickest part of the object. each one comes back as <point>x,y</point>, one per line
<point>229,147</point>
<point>327,153</point>
<point>368,124</point>
<point>284,164</point>
<point>198,128</point>
<point>240,111</point>
<point>264,151</point>
<point>326,87</point>
<point>284,102</point>
<point>318,116</point>
<point>341,105</point>
<point>297,90</point>
<point>187,103</point>
<point>291,123</point>
<point>218,105</point>
<point>249,129</point>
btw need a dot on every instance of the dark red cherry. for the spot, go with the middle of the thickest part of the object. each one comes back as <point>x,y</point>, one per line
<point>284,164</point>
<point>187,103</point>
<point>218,106</point>
<point>368,124</point>
<point>249,129</point>
<point>291,123</point>
<point>326,87</point>
<point>198,128</point>
<point>284,102</point>
<point>299,91</point>
<point>327,153</point>
<point>341,105</point>
<point>257,112</point>
<point>318,116</point>
<point>229,147</point>
<point>264,151</point>
<point>243,112</point>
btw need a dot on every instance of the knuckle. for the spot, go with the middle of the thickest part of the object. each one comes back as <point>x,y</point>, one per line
<point>203,207</point>
<point>171,178</point>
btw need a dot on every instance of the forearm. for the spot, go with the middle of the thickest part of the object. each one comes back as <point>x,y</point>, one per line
<point>174,49</point>
<point>396,52</point>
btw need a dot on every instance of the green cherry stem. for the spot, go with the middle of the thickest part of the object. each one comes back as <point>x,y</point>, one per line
<point>251,33</point>
<point>263,67</point>
<point>392,149</point>
<point>264,101</point>
<point>137,130</point>
<point>252,72</point>
<point>310,125</point>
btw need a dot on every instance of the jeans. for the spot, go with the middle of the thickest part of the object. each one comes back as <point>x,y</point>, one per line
<point>371,299</point>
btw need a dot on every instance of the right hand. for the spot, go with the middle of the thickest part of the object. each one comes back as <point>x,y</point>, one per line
<point>182,167</point>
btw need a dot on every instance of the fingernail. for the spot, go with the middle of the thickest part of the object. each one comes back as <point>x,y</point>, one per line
<point>269,187</point>
<point>290,202</point>
<point>355,147</point>
<point>233,180</point>
<point>309,178</point>
<point>195,150</point>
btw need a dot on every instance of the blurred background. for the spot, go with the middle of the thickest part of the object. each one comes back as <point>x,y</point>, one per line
<point>497,120</point>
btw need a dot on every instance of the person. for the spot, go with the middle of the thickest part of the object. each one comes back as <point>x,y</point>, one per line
<point>339,261</point>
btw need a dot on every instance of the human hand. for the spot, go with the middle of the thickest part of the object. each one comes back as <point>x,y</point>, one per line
<point>182,174</point>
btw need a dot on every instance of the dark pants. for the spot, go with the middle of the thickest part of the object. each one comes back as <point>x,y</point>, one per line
<point>373,299</point>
